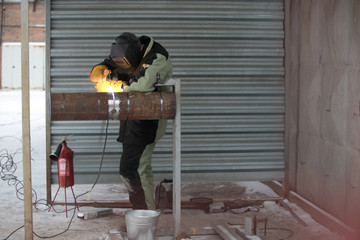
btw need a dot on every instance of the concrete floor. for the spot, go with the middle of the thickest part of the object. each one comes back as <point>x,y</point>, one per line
<point>195,222</point>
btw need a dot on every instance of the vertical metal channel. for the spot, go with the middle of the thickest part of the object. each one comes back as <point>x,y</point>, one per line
<point>229,57</point>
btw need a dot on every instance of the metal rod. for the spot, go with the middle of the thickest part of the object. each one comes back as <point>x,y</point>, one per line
<point>177,162</point>
<point>289,109</point>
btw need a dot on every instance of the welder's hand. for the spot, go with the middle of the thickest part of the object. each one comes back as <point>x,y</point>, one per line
<point>125,87</point>
<point>99,73</point>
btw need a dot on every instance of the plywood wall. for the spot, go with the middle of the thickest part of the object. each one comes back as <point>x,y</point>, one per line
<point>323,83</point>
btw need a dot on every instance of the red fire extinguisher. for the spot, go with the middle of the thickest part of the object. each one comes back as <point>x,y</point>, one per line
<point>65,166</point>
<point>64,157</point>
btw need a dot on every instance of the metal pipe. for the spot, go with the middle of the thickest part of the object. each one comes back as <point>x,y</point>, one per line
<point>104,106</point>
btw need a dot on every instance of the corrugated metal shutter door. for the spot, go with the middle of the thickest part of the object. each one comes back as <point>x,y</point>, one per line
<point>229,57</point>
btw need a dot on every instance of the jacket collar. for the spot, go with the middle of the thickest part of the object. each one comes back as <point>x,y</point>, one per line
<point>148,42</point>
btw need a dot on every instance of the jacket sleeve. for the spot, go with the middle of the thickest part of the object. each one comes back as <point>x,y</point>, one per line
<point>114,70</point>
<point>148,75</point>
<point>107,63</point>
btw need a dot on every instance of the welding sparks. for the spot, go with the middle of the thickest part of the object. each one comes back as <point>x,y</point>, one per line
<point>110,89</point>
<point>99,75</point>
<point>109,86</point>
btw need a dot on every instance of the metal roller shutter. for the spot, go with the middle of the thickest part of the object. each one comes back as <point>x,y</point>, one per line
<point>229,57</point>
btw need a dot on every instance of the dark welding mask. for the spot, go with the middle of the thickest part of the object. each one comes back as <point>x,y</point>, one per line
<point>126,52</point>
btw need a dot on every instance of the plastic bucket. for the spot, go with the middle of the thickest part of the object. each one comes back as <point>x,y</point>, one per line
<point>141,224</point>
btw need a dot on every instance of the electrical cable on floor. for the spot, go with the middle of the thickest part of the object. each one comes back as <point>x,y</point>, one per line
<point>240,204</point>
<point>13,232</point>
<point>8,168</point>
<point>99,172</point>
<point>58,234</point>
<point>291,233</point>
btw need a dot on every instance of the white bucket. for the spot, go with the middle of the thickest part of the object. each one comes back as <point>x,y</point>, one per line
<point>141,224</point>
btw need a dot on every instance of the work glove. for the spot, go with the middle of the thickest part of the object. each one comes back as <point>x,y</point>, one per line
<point>99,73</point>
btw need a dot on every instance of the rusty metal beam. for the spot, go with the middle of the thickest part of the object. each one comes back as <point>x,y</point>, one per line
<point>104,106</point>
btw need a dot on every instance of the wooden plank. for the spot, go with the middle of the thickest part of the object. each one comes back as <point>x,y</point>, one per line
<point>298,219</point>
<point>28,217</point>
<point>323,217</point>
<point>317,213</point>
<point>47,110</point>
<point>228,233</point>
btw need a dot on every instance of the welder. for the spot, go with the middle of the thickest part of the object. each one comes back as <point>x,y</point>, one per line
<point>140,63</point>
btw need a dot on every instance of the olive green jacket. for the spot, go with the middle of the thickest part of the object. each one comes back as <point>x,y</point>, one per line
<point>155,66</point>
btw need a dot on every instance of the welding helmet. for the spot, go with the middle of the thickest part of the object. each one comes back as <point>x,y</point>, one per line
<point>126,52</point>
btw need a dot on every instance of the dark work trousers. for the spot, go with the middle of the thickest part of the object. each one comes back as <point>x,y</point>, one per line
<point>129,164</point>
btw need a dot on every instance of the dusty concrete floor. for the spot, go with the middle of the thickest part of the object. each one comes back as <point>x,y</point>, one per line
<point>281,224</point>
<point>54,224</point>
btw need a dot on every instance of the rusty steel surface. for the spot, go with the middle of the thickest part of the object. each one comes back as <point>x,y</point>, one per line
<point>95,106</point>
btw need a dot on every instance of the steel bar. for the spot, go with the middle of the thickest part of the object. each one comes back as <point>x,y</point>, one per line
<point>103,106</point>
<point>289,108</point>
<point>177,160</point>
